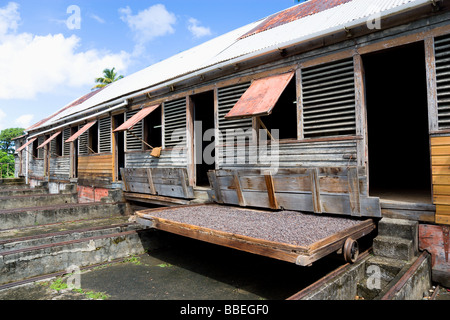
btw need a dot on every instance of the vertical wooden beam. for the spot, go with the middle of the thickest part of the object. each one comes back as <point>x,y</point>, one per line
<point>273,203</point>
<point>315,190</point>
<point>240,195</point>
<point>47,161</point>
<point>190,140</point>
<point>354,193</point>
<point>298,80</point>
<point>430,62</point>
<point>184,183</point>
<point>150,181</point>
<point>124,179</point>
<point>114,150</point>
<point>361,116</point>
<point>213,181</point>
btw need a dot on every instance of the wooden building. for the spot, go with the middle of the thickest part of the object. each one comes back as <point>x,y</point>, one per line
<point>331,107</point>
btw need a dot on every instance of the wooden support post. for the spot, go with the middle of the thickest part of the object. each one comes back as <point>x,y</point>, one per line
<point>361,116</point>
<point>240,195</point>
<point>124,179</point>
<point>315,190</point>
<point>150,181</point>
<point>353,190</point>
<point>430,63</point>
<point>271,192</point>
<point>213,181</point>
<point>184,182</point>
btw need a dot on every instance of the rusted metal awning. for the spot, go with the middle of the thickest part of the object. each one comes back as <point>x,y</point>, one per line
<point>49,140</point>
<point>130,123</point>
<point>81,131</point>
<point>261,97</point>
<point>26,145</point>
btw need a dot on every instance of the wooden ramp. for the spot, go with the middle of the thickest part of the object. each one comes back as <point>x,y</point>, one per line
<point>284,235</point>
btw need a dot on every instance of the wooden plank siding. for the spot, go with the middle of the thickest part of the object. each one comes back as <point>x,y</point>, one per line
<point>440,158</point>
<point>170,182</point>
<point>96,167</point>
<point>60,168</point>
<point>290,155</point>
<point>333,190</point>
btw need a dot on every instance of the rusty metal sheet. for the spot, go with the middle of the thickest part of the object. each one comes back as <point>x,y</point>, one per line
<point>130,123</point>
<point>49,140</point>
<point>81,131</point>
<point>261,97</point>
<point>295,13</point>
<point>26,145</point>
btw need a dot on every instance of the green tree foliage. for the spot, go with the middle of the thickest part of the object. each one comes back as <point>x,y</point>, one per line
<point>6,136</point>
<point>109,76</point>
<point>7,151</point>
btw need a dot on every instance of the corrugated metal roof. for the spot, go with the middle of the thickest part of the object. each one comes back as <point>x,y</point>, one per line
<point>232,48</point>
<point>295,13</point>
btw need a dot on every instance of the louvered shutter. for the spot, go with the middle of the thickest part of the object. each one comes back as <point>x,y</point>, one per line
<point>237,129</point>
<point>442,54</point>
<point>105,135</point>
<point>328,95</point>
<point>132,141</point>
<point>175,123</point>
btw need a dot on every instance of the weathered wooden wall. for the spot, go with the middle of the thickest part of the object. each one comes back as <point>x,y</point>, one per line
<point>60,168</point>
<point>170,158</point>
<point>171,182</point>
<point>291,155</point>
<point>440,159</point>
<point>36,167</point>
<point>95,168</point>
<point>338,190</point>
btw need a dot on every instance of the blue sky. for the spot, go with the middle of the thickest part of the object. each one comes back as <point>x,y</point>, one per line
<point>52,50</point>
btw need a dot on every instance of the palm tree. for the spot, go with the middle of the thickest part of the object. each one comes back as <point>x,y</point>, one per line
<point>109,76</point>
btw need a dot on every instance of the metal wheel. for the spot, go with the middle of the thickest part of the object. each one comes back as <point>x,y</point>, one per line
<point>351,250</point>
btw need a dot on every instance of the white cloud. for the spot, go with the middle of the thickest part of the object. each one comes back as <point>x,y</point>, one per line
<point>24,121</point>
<point>9,19</point>
<point>97,18</point>
<point>148,24</point>
<point>197,30</point>
<point>31,64</point>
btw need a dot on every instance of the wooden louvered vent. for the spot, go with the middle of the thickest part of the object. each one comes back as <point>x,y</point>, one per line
<point>105,135</point>
<point>66,147</point>
<point>175,123</point>
<point>232,130</point>
<point>83,142</point>
<point>442,53</point>
<point>41,140</point>
<point>134,134</point>
<point>328,96</point>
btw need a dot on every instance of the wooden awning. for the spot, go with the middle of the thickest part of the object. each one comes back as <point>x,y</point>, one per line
<point>49,140</point>
<point>261,97</point>
<point>130,123</point>
<point>26,145</point>
<point>81,131</point>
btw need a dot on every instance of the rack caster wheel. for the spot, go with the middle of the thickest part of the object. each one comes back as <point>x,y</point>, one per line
<point>351,250</point>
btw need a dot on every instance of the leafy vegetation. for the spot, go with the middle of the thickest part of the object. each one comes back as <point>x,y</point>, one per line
<point>109,76</point>
<point>7,151</point>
